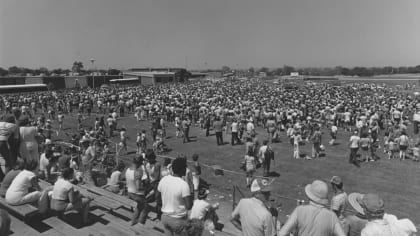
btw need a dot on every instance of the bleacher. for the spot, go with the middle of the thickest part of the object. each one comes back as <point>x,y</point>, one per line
<point>110,214</point>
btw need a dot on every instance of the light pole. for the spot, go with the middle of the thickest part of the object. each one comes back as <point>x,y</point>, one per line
<point>92,60</point>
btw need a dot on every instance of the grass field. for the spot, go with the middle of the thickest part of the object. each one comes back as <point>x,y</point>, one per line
<point>396,181</point>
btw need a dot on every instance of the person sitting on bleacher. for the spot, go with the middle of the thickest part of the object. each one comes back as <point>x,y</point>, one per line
<point>115,182</point>
<point>19,192</point>
<point>10,176</point>
<point>66,198</point>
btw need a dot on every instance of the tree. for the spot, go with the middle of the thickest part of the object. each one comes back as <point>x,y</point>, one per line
<point>57,71</point>
<point>14,70</point>
<point>226,69</point>
<point>113,72</point>
<point>43,71</point>
<point>77,67</point>
<point>287,70</point>
<point>278,71</point>
<point>263,69</point>
<point>3,72</point>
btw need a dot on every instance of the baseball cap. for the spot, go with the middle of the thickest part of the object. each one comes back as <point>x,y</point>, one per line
<point>261,185</point>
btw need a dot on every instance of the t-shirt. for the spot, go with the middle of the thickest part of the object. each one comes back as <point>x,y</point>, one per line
<point>249,163</point>
<point>354,141</point>
<point>235,127</point>
<point>338,203</point>
<point>255,219</point>
<point>173,190</point>
<point>61,189</point>
<point>20,186</point>
<point>199,209</point>
<point>115,178</point>
<point>312,220</point>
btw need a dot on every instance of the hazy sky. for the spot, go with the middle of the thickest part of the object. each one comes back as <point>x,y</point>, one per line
<point>210,33</point>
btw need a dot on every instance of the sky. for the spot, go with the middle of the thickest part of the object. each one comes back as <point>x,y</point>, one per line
<point>204,34</point>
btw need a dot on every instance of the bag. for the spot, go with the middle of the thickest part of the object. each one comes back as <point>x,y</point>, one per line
<point>269,154</point>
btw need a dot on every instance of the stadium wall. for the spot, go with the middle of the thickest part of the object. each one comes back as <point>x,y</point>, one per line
<point>70,81</point>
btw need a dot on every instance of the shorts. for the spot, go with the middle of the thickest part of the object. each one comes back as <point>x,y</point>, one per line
<point>365,148</point>
<point>250,173</point>
<point>403,147</point>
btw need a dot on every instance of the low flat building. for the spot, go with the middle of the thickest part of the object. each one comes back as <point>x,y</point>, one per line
<point>151,77</point>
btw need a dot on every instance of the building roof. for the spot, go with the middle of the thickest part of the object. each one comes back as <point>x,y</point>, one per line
<point>148,73</point>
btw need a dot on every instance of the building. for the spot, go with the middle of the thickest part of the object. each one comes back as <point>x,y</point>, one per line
<point>149,77</point>
<point>180,74</point>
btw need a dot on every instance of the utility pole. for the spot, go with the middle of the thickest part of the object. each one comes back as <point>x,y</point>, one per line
<point>92,60</point>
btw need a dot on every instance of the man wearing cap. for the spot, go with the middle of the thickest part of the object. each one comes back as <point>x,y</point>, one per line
<point>314,219</point>
<point>251,215</point>
<point>354,223</point>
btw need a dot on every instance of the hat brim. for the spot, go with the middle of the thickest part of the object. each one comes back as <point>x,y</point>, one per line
<point>353,201</point>
<point>314,198</point>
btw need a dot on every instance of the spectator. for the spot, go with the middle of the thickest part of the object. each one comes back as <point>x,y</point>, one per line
<point>204,211</point>
<point>196,172</point>
<point>115,182</point>
<point>176,199</point>
<point>218,129</point>
<point>354,146</point>
<point>251,216</point>
<point>19,191</point>
<point>354,223</point>
<point>136,178</point>
<point>7,129</point>
<point>381,224</point>
<point>66,198</point>
<point>10,176</point>
<point>314,219</point>
<point>338,201</point>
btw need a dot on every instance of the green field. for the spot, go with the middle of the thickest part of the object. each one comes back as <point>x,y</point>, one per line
<point>396,181</point>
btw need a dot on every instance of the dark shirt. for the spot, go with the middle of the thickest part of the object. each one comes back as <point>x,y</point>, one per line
<point>218,126</point>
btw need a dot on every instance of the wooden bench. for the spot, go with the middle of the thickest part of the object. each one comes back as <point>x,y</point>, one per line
<point>22,212</point>
<point>124,201</point>
<point>63,227</point>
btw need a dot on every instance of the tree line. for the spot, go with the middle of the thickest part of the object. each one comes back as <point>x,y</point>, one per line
<point>77,67</point>
<point>331,71</point>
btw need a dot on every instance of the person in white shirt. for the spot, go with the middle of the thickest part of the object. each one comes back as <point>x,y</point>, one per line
<point>334,130</point>
<point>18,192</point>
<point>136,178</point>
<point>354,147</point>
<point>235,130</point>
<point>203,210</point>
<point>176,199</point>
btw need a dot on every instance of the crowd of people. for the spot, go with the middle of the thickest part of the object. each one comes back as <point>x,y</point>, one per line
<point>236,108</point>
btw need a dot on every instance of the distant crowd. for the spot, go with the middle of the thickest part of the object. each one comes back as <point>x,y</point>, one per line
<point>29,151</point>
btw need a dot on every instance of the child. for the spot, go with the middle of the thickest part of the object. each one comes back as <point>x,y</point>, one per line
<point>334,130</point>
<point>138,143</point>
<point>123,141</point>
<point>250,167</point>
<point>196,172</point>
<point>386,142</point>
<point>297,139</point>
<point>416,152</point>
<point>60,120</point>
<point>392,148</point>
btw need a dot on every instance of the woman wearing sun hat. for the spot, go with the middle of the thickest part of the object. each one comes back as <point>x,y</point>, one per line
<point>314,219</point>
<point>381,224</point>
<point>354,223</point>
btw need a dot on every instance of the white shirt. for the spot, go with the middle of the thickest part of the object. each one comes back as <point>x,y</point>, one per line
<point>388,226</point>
<point>173,190</point>
<point>250,127</point>
<point>19,187</point>
<point>354,141</point>
<point>199,209</point>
